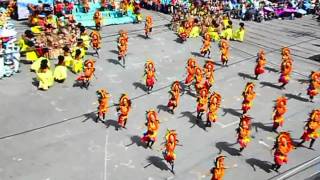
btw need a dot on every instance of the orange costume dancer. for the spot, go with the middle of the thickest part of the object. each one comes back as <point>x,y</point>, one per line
<point>202,102</point>
<point>214,105</point>
<point>205,49</point>
<point>209,70</point>
<point>312,128</point>
<point>191,70</point>
<point>248,96</point>
<point>218,171</point>
<point>286,69</point>
<point>261,62</point>
<point>123,109</point>
<point>314,85</point>
<point>199,79</point>
<point>244,132</point>
<point>103,97</point>
<point>224,49</point>
<point>149,75</point>
<point>171,143</point>
<point>122,46</point>
<point>95,41</point>
<point>286,53</point>
<point>175,96</point>
<point>282,147</point>
<point>183,32</point>
<point>97,17</point>
<point>279,110</point>
<point>88,73</point>
<point>148,26</point>
<point>152,124</point>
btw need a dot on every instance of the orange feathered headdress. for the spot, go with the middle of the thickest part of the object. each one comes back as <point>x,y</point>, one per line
<point>209,65</point>
<point>191,61</point>
<point>249,85</point>
<point>171,135</point>
<point>220,161</point>
<point>215,98</point>
<point>103,93</point>
<point>175,85</point>
<point>153,113</point>
<point>198,70</point>
<point>281,101</point>
<point>89,62</point>
<point>284,141</point>
<point>149,61</point>
<point>123,97</point>
<point>224,43</point>
<point>285,51</point>
<point>315,115</point>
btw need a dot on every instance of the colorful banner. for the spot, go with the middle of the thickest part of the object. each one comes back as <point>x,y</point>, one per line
<point>22,6</point>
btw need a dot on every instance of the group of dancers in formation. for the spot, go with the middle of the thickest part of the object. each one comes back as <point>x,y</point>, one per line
<point>202,78</point>
<point>209,103</point>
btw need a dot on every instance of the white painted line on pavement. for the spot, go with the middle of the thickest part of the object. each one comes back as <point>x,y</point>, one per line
<point>220,124</point>
<point>230,124</point>
<point>263,143</point>
<point>298,168</point>
<point>105,157</point>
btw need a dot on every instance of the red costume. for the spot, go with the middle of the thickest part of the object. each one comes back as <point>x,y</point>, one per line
<point>150,74</point>
<point>209,70</point>
<point>278,113</point>
<point>244,132</point>
<point>261,62</point>
<point>95,41</point>
<point>248,96</point>
<point>103,104</point>
<point>88,73</point>
<point>205,49</point>
<point>199,79</point>
<point>282,147</point>
<point>123,109</point>
<point>312,128</point>
<point>286,69</point>
<point>202,103</point>
<point>148,26</point>
<point>175,96</point>
<point>314,85</point>
<point>224,49</point>
<point>171,143</point>
<point>214,105</point>
<point>152,124</point>
<point>191,70</point>
<point>122,46</point>
<point>218,170</point>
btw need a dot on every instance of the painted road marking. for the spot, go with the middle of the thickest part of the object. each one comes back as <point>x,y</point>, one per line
<point>263,143</point>
<point>298,168</point>
<point>105,157</point>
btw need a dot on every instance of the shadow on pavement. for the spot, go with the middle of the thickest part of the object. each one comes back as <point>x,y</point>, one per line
<point>270,69</point>
<point>259,125</point>
<point>135,140</point>
<point>269,85</point>
<point>193,119</point>
<point>157,162</point>
<point>111,122</point>
<point>162,108</point>
<point>264,165</point>
<point>296,97</point>
<point>246,76</point>
<point>231,111</point>
<point>226,147</point>
<point>140,86</point>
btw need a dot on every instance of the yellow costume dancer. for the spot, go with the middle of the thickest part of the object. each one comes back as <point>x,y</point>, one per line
<point>44,75</point>
<point>77,65</point>
<point>60,72</point>
<point>239,34</point>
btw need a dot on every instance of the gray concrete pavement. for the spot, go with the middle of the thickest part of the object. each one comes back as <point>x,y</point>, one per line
<point>65,144</point>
